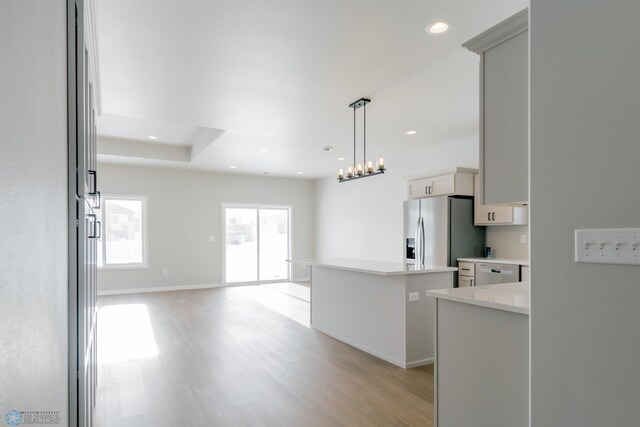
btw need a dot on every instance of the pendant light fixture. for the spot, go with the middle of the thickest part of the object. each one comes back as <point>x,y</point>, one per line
<point>366,168</point>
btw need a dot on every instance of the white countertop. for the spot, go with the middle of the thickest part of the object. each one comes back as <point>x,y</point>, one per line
<point>372,267</point>
<point>497,260</point>
<point>512,297</point>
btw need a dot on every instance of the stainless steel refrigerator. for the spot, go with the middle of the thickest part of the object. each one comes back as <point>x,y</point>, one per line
<point>439,230</point>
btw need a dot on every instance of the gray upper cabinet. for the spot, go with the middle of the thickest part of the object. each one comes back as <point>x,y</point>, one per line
<point>504,82</point>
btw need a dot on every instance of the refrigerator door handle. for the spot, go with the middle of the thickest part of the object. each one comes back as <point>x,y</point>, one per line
<point>422,244</point>
<point>419,243</point>
<point>416,244</point>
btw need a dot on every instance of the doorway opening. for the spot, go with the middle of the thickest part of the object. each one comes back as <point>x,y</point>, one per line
<point>257,243</point>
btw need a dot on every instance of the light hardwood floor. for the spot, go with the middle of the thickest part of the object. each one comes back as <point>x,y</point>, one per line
<point>242,357</point>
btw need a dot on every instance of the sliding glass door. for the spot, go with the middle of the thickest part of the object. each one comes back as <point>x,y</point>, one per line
<point>273,244</point>
<point>241,245</point>
<point>257,244</point>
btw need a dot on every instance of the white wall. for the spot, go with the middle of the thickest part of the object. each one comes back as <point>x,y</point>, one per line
<point>363,219</point>
<point>33,207</point>
<point>585,173</point>
<point>184,209</point>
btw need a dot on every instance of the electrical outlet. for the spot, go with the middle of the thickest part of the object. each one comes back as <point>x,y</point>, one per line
<point>414,296</point>
<point>523,239</point>
<point>608,246</point>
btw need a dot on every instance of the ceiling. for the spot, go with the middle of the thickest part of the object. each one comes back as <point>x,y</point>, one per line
<point>263,86</point>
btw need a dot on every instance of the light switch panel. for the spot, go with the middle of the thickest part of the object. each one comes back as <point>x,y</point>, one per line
<point>414,296</point>
<point>608,246</point>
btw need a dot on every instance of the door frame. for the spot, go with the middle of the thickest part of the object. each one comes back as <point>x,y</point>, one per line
<point>223,240</point>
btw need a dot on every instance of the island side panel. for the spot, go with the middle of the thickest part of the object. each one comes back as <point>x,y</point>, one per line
<point>482,366</point>
<point>364,310</point>
<point>420,322</point>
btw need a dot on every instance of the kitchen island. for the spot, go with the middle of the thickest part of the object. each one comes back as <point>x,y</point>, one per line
<point>378,307</point>
<point>482,356</point>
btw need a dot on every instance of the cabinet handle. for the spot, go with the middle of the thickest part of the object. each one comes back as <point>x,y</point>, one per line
<point>99,204</point>
<point>95,182</point>
<point>488,216</point>
<point>465,269</point>
<point>426,189</point>
<point>93,229</point>
<point>99,230</point>
<point>470,282</point>
<point>493,216</point>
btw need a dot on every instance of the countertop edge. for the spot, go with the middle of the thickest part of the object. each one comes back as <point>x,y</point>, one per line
<point>446,295</point>
<point>313,263</point>
<point>496,260</point>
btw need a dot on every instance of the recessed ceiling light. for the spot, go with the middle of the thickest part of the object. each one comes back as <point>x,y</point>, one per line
<point>341,158</point>
<point>263,150</point>
<point>438,27</point>
<point>152,137</point>
<point>299,173</point>
<point>233,167</point>
<point>411,132</point>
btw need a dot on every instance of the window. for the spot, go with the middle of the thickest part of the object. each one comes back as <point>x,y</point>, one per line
<point>123,241</point>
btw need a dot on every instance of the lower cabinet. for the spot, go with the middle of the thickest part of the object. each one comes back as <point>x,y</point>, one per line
<point>465,282</point>
<point>466,274</point>
<point>468,270</point>
<point>482,369</point>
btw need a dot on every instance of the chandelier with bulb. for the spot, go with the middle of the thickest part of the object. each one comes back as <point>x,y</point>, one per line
<point>367,167</point>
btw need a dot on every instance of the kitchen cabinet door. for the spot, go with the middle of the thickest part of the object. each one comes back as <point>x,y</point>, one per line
<point>420,188</point>
<point>504,111</point>
<point>465,281</point>
<point>431,187</point>
<point>505,124</point>
<point>443,185</point>
<point>457,181</point>
<point>500,215</point>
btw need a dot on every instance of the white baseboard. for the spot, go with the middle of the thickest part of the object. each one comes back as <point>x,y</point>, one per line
<point>158,289</point>
<point>408,365</point>
<point>422,362</point>
<point>301,279</point>
<point>365,349</point>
